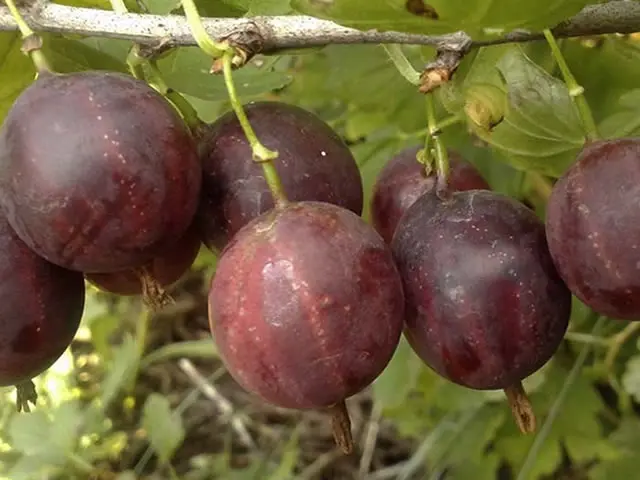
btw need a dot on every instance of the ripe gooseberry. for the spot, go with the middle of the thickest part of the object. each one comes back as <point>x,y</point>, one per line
<point>98,172</point>
<point>306,307</point>
<point>165,269</point>
<point>41,305</point>
<point>485,307</point>
<point>403,180</point>
<point>593,227</point>
<point>313,163</point>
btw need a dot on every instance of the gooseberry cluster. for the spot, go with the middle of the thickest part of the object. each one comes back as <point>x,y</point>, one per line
<point>101,179</point>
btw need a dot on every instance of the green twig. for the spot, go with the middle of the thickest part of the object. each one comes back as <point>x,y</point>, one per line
<point>575,90</point>
<point>543,433</point>
<point>261,154</point>
<point>616,343</point>
<point>578,337</point>
<point>37,56</point>
<point>192,349</point>
<point>446,123</point>
<point>204,41</point>
<point>441,156</point>
<point>147,70</point>
<point>119,6</point>
<point>401,62</point>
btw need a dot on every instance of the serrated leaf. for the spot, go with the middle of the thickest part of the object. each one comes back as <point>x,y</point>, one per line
<point>187,70</point>
<point>25,432</point>
<point>576,428</point>
<point>31,434</point>
<point>67,420</point>
<point>16,70</point>
<point>541,130</point>
<point>480,18</point>
<point>395,383</point>
<point>457,448</point>
<point>624,465</point>
<point>164,428</point>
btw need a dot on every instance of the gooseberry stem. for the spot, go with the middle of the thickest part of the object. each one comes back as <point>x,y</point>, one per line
<point>25,394</point>
<point>341,425</point>
<point>153,294</point>
<point>402,64</point>
<point>521,408</point>
<point>31,41</point>
<point>119,6</point>
<point>146,69</point>
<point>441,156</point>
<point>261,154</point>
<point>204,41</point>
<point>617,341</point>
<point>575,90</point>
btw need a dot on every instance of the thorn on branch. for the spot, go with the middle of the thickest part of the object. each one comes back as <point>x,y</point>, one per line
<point>151,51</point>
<point>448,57</point>
<point>247,43</point>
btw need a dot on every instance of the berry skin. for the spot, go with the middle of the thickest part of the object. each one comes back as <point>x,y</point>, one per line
<point>41,306</point>
<point>593,227</point>
<point>313,164</point>
<point>166,268</point>
<point>485,307</point>
<point>306,305</point>
<point>99,172</point>
<point>403,180</point>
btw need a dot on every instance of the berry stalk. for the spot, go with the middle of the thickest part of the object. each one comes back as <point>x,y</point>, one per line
<point>147,70</point>
<point>206,44</point>
<point>31,42</point>
<point>439,150</point>
<point>575,90</point>
<point>261,154</point>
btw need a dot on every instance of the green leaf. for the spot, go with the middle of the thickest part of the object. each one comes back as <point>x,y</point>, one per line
<point>204,348</point>
<point>576,428</point>
<point>67,420</point>
<point>288,460</point>
<point>395,383</point>
<point>16,70</point>
<point>541,130</point>
<point>128,475</point>
<point>623,465</point>
<point>626,121</point>
<point>162,7</point>
<point>28,434</point>
<point>187,71</point>
<point>606,69</point>
<point>480,18</point>
<point>163,427</point>
<point>469,443</point>
<point>66,55</point>
<point>123,365</point>
<point>268,7</point>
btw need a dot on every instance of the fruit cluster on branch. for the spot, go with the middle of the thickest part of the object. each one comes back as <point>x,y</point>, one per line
<point>292,32</point>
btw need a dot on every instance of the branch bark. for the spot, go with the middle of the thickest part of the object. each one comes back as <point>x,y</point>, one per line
<point>294,32</point>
